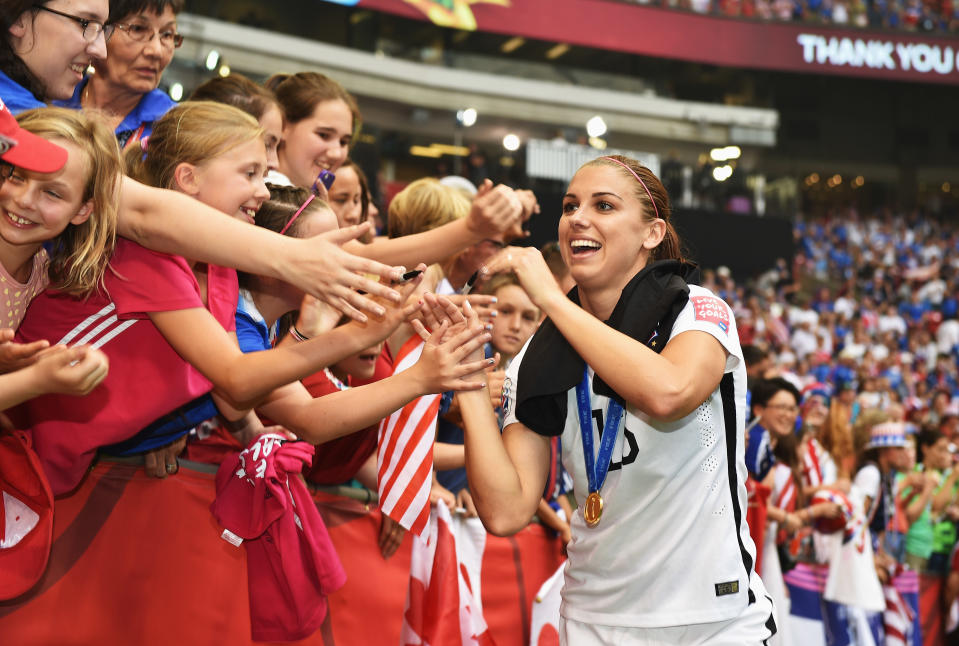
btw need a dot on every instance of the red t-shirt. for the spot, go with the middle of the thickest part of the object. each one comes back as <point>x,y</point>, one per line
<point>337,461</point>
<point>291,562</point>
<point>147,378</point>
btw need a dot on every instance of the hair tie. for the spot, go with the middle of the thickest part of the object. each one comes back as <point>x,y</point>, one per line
<point>638,179</point>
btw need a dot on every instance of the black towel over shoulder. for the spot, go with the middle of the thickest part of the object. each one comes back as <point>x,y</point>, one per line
<point>646,311</point>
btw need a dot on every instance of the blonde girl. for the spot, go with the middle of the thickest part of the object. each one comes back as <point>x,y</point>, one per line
<point>54,208</point>
<point>165,331</point>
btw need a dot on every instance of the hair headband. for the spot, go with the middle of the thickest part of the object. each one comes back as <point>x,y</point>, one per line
<point>638,179</point>
<point>297,214</point>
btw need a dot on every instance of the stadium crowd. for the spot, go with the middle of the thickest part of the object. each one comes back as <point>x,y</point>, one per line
<point>121,211</point>
<point>852,349</point>
<point>908,15</point>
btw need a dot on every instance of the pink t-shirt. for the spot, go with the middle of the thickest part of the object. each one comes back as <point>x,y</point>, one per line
<point>16,296</point>
<point>147,378</point>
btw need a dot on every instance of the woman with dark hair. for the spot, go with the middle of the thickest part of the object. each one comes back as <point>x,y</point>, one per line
<point>45,48</point>
<point>636,342</point>
<point>320,121</point>
<point>772,457</point>
<point>124,86</point>
<point>775,404</point>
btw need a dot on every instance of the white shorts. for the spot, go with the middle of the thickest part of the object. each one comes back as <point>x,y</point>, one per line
<point>753,627</point>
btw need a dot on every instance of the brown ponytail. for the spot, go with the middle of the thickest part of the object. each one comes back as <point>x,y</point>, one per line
<point>133,162</point>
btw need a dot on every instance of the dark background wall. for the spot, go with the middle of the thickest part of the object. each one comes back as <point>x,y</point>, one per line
<point>747,244</point>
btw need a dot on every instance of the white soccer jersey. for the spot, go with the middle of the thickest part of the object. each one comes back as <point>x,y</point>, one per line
<point>672,547</point>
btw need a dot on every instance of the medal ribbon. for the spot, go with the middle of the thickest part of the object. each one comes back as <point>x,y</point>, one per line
<point>597,469</point>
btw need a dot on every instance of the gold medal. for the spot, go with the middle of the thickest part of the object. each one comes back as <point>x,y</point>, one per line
<point>593,509</point>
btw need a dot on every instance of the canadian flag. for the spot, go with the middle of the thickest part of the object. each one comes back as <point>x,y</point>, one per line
<point>404,452</point>
<point>443,604</point>
<point>544,618</point>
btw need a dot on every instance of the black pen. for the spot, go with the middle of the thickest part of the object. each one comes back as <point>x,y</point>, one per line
<point>408,276</point>
<point>468,287</point>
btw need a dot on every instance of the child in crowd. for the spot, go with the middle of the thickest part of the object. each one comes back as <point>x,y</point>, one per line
<point>885,454</point>
<point>348,195</point>
<point>167,321</point>
<point>927,529</point>
<point>516,320</point>
<point>23,270</point>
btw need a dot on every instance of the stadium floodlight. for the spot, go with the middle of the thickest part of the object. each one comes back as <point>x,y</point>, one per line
<point>733,152</point>
<point>466,117</point>
<point>596,127</point>
<point>598,143</point>
<point>176,91</point>
<point>511,142</point>
<point>722,173</point>
<point>224,70</point>
<point>725,154</point>
<point>212,59</point>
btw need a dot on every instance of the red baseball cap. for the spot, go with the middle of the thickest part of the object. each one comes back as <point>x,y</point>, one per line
<point>26,516</point>
<point>25,149</point>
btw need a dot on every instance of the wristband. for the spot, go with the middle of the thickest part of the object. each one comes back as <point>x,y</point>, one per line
<point>296,334</point>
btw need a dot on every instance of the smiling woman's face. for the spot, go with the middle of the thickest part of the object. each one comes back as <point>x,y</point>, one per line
<point>52,46</point>
<point>603,231</point>
<point>321,141</point>
<point>779,413</point>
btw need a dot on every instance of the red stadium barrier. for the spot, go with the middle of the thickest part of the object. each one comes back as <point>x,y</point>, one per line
<point>137,560</point>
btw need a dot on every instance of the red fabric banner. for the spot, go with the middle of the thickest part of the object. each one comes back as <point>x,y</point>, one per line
<point>137,560</point>
<point>731,42</point>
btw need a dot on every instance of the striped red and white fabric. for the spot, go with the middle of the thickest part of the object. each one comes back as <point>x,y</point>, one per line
<point>898,618</point>
<point>404,452</point>
<point>812,472</point>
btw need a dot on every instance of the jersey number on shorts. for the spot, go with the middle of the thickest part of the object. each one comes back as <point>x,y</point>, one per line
<point>633,447</point>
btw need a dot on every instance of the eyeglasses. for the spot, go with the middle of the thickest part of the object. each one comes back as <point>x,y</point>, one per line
<point>144,34</point>
<point>786,408</point>
<point>91,28</point>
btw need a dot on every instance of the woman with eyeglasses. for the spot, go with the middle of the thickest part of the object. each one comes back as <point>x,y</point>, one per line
<point>46,47</point>
<point>772,458</point>
<point>775,405</point>
<point>124,86</point>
